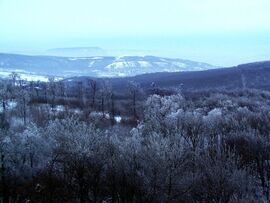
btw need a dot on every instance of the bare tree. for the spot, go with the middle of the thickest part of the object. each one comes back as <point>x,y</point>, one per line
<point>52,90</point>
<point>104,94</point>
<point>93,89</point>
<point>134,91</point>
<point>24,99</point>
<point>112,109</point>
<point>80,94</point>
<point>14,78</point>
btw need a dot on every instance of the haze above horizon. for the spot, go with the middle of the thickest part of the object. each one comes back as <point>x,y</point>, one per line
<point>219,32</point>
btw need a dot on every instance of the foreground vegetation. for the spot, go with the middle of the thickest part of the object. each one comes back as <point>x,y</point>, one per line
<point>207,146</point>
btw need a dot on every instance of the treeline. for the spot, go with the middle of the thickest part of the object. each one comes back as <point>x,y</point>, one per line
<point>40,102</point>
<point>210,146</point>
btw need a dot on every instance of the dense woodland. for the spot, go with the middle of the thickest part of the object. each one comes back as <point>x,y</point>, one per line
<point>86,142</point>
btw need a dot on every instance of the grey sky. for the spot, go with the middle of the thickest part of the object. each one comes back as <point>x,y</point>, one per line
<point>222,32</point>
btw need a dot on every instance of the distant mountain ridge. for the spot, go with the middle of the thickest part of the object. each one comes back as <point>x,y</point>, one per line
<point>145,70</point>
<point>99,66</point>
<point>252,75</point>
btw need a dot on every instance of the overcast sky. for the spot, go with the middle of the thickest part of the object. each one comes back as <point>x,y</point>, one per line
<point>221,32</point>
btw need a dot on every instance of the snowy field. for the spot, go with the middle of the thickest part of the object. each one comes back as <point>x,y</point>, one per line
<point>28,76</point>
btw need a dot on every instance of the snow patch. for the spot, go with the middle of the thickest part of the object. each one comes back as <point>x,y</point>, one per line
<point>97,58</point>
<point>144,64</point>
<point>118,119</point>
<point>9,106</point>
<point>91,64</point>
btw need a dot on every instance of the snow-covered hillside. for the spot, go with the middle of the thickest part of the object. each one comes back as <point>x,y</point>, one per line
<point>97,66</point>
<point>135,65</point>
